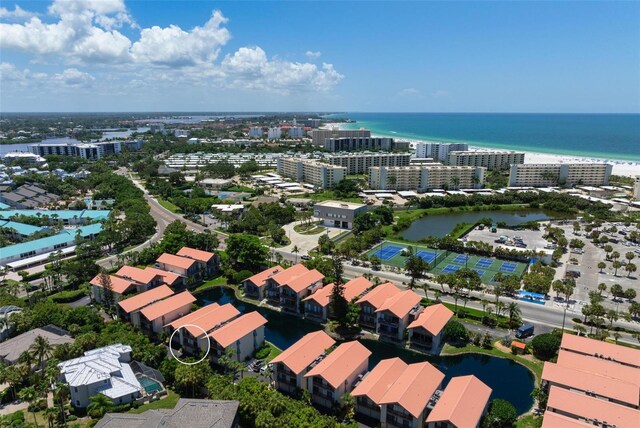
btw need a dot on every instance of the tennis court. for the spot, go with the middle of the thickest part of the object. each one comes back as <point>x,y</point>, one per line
<point>508,267</point>
<point>451,268</point>
<point>480,272</point>
<point>427,256</point>
<point>462,259</point>
<point>387,252</point>
<point>484,263</point>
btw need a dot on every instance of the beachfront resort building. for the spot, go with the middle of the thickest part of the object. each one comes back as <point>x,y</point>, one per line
<point>319,174</point>
<point>353,144</point>
<point>359,163</point>
<point>426,332</point>
<point>318,305</point>
<point>426,177</point>
<point>92,151</point>
<point>492,160</point>
<point>547,174</point>
<point>439,151</point>
<point>318,136</point>
<point>337,213</point>
<point>337,373</point>
<point>592,383</point>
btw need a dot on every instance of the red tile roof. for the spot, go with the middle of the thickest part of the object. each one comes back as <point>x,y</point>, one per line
<point>193,316</point>
<point>433,318</point>
<point>207,319</point>
<point>238,328</point>
<point>341,363</point>
<point>301,354</point>
<point>260,279</point>
<point>192,253</point>
<point>400,304</point>
<point>414,388</point>
<point>352,289</point>
<point>379,294</point>
<point>171,260</point>
<point>289,274</point>
<point>555,420</point>
<point>462,403</point>
<point>167,305</point>
<point>168,278</point>
<point>304,281</point>
<point>136,274</point>
<point>143,299</point>
<point>378,381</point>
<point>119,285</point>
<point>599,366</point>
<point>617,353</point>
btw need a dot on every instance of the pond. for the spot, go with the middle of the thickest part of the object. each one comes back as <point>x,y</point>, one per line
<point>439,225</point>
<point>509,380</point>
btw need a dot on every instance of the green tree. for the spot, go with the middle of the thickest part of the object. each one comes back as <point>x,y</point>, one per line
<point>545,346</point>
<point>41,349</point>
<point>189,379</point>
<point>246,251</point>
<point>601,265</point>
<point>514,314</point>
<point>455,332</point>
<point>501,414</point>
<point>99,404</point>
<point>31,396</point>
<point>415,267</point>
<point>107,290</point>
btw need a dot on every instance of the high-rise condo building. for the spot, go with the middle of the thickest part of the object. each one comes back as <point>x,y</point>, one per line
<point>439,151</point>
<point>318,136</point>
<point>85,150</point>
<point>359,163</point>
<point>426,177</point>
<point>492,160</point>
<point>547,174</point>
<point>274,133</point>
<point>354,144</point>
<point>319,174</point>
<point>256,132</point>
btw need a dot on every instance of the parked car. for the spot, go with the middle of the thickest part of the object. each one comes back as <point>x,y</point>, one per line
<point>525,331</point>
<point>305,257</point>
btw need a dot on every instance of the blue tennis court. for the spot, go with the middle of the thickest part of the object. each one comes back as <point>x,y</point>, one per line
<point>508,267</point>
<point>450,269</point>
<point>427,256</point>
<point>480,272</point>
<point>387,252</point>
<point>461,259</point>
<point>484,263</point>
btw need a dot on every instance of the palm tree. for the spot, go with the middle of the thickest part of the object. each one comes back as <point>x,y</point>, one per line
<point>31,396</point>
<point>295,250</point>
<point>514,313</point>
<point>630,267</point>
<point>601,265</point>
<point>41,349</point>
<point>602,287</point>
<point>99,405</point>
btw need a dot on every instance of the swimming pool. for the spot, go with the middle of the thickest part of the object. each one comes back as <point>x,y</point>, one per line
<point>149,384</point>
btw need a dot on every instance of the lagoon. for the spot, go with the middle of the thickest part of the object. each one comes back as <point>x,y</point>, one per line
<point>509,380</point>
<point>439,225</point>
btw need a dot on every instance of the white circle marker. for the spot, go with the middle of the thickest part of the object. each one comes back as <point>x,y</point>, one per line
<point>205,335</point>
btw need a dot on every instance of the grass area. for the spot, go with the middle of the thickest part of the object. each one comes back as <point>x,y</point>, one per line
<point>275,351</point>
<point>308,229</point>
<point>532,364</point>
<point>167,402</point>
<point>270,242</point>
<point>330,195</point>
<point>168,205</point>
<point>216,282</point>
<point>529,421</point>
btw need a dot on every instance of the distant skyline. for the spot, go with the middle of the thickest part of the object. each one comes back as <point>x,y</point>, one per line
<point>147,56</point>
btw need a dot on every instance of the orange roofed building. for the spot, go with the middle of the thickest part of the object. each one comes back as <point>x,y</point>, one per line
<point>371,301</point>
<point>288,287</point>
<point>197,325</point>
<point>184,267</point>
<point>157,315</point>
<point>596,348</point>
<point>405,404</point>
<point>395,314</point>
<point>119,287</point>
<point>169,278</point>
<point>317,306</point>
<point>374,386</point>
<point>254,286</point>
<point>293,363</point>
<point>243,336</point>
<point>129,309</point>
<point>337,373</point>
<point>144,279</point>
<point>208,263</point>
<point>461,405</point>
<point>426,332</point>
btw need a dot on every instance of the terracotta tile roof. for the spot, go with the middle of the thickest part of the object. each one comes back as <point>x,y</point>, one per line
<point>580,405</point>
<point>573,378</point>
<point>519,345</point>
<point>304,281</point>
<point>193,316</point>
<point>207,318</point>
<point>301,354</point>
<point>352,289</point>
<point>378,381</point>
<point>414,387</point>
<point>167,305</point>
<point>599,366</point>
<point>260,279</point>
<point>433,318</point>
<point>143,299</point>
<point>171,260</point>
<point>555,420</point>
<point>462,403</point>
<point>289,274</point>
<point>341,363</point>
<point>136,274</point>
<point>400,304</point>
<point>379,294</point>
<point>192,253</point>
<point>168,278</point>
<point>119,285</point>
<point>617,353</point>
<point>238,328</point>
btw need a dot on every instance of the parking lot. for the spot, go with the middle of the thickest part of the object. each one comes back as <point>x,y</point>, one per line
<point>532,238</point>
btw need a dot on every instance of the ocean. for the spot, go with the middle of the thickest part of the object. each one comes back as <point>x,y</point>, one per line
<point>605,136</point>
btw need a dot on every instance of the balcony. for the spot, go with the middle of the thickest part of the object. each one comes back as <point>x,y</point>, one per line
<point>421,342</point>
<point>367,321</point>
<point>390,322</point>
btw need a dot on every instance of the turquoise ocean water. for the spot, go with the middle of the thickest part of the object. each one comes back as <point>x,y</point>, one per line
<point>605,136</point>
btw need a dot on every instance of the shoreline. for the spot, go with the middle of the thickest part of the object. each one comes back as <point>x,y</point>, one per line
<point>622,167</point>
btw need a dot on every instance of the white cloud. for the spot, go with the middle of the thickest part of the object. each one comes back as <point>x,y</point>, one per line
<point>16,14</point>
<point>440,93</point>
<point>408,91</point>
<point>74,78</point>
<point>312,54</point>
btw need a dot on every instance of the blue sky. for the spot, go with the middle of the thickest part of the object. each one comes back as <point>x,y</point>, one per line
<point>116,55</point>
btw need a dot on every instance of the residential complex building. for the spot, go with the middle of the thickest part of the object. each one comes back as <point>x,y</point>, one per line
<point>256,132</point>
<point>369,392</point>
<point>193,329</point>
<point>274,133</point>
<point>296,132</point>
<point>359,163</point>
<point>318,305</point>
<point>426,177</point>
<point>157,315</point>
<point>337,213</point>
<point>371,301</point>
<point>319,136</point>
<point>288,287</point>
<point>254,286</point>
<point>93,151</point>
<point>592,383</point>
<point>319,174</point>
<point>636,188</point>
<point>181,133</point>
<point>346,144</point>
<point>242,337</point>
<point>492,160</point>
<point>395,314</point>
<point>462,404</point>
<point>26,157</point>
<point>129,309</point>
<point>547,174</point>
<point>438,151</point>
<point>291,366</point>
<point>28,196</point>
<point>426,332</point>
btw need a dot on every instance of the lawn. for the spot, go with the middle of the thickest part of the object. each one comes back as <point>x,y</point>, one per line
<point>328,195</point>
<point>305,229</point>
<point>168,205</point>
<point>216,282</point>
<point>275,351</point>
<point>529,421</point>
<point>167,402</point>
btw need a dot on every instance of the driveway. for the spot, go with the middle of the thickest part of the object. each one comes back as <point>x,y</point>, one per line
<point>305,243</point>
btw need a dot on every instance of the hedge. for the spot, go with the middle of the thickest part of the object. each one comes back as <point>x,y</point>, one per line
<point>67,296</point>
